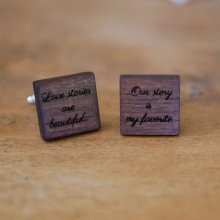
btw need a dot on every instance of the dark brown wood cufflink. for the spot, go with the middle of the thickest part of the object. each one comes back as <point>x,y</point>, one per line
<point>67,105</point>
<point>150,104</point>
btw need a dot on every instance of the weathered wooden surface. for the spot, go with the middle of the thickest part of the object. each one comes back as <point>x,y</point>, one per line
<point>104,175</point>
<point>67,105</point>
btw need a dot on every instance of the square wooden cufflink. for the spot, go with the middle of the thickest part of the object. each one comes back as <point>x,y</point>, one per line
<point>67,105</point>
<point>150,104</point>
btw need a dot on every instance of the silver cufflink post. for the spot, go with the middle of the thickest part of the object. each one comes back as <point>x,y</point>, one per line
<point>31,100</point>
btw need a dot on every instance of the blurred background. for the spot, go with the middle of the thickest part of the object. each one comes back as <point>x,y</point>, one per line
<point>45,38</point>
<point>90,176</point>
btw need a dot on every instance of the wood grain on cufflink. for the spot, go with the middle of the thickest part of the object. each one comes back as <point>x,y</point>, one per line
<point>150,104</point>
<point>67,105</point>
